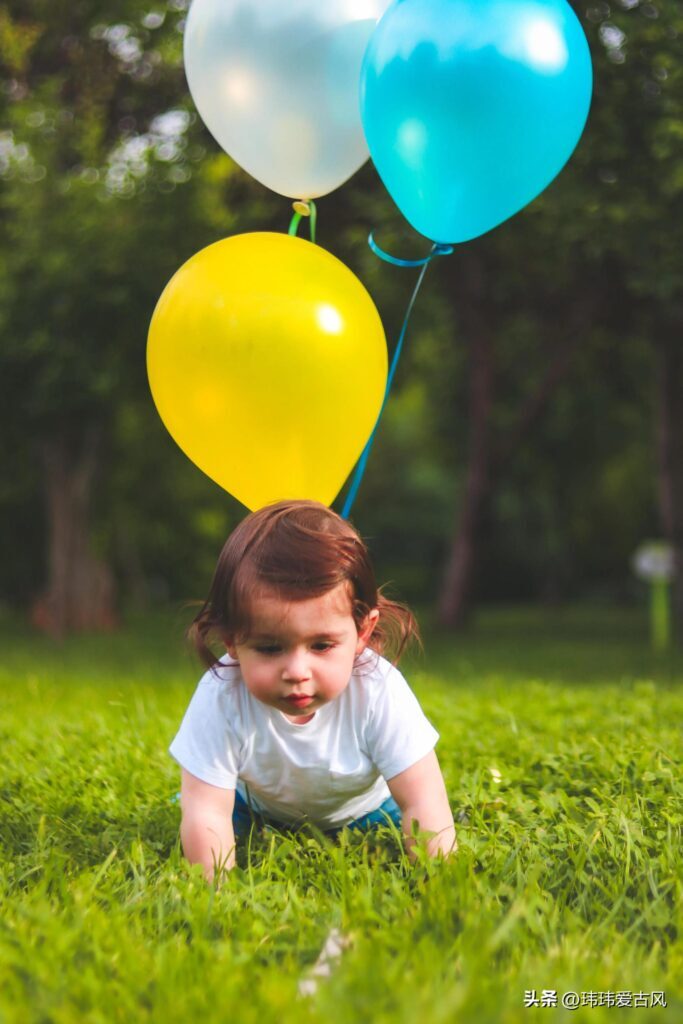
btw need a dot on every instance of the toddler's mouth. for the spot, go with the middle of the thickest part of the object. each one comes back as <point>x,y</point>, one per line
<point>301,700</point>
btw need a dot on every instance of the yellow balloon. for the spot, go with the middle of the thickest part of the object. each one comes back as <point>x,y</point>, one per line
<point>267,362</point>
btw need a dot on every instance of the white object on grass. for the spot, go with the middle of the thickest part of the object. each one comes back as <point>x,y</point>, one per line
<point>330,954</point>
<point>654,560</point>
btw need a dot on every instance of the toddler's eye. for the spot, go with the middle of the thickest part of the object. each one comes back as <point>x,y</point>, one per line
<point>267,649</point>
<point>322,645</point>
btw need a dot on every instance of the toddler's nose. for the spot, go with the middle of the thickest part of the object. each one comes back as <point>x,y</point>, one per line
<point>296,668</point>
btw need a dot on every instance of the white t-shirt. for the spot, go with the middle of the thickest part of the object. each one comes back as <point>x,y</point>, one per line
<point>329,770</point>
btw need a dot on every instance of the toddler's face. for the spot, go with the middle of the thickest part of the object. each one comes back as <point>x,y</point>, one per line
<point>300,654</point>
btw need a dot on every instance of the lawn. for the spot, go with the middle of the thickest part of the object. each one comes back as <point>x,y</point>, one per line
<point>561,746</point>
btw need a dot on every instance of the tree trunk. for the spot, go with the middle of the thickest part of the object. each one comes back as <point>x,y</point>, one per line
<point>669,375</point>
<point>486,461</point>
<point>80,589</point>
<point>457,580</point>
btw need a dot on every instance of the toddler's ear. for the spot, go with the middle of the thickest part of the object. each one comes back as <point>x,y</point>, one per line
<point>230,647</point>
<point>366,629</point>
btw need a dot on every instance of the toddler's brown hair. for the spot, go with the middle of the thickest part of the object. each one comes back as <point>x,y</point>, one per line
<point>298,549</point>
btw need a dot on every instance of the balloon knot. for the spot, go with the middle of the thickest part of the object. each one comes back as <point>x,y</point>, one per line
<point>302,207</point>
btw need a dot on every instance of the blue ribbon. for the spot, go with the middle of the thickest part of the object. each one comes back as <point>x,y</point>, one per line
<point>437,250</point>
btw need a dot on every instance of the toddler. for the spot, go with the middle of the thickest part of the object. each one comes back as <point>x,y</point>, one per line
<point>303,719</point>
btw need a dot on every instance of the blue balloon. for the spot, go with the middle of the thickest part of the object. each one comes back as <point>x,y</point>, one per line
<point>470,108</point>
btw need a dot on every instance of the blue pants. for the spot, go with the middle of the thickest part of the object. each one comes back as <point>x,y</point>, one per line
<point>242,818</point>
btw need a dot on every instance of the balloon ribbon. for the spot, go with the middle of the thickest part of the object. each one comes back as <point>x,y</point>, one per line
<point>303,208</point>
<point>437,250</point>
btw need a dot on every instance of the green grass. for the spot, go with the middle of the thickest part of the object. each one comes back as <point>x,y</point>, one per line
<point>561,747</point>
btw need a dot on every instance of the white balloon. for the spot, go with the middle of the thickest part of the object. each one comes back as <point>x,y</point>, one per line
<point>277,84</point>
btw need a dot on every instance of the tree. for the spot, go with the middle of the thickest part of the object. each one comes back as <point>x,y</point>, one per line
<point>108,182</point>
<point>97,141</point>
<point>598,233</point>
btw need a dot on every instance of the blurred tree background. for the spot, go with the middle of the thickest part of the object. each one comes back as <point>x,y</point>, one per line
<point>534,437</point>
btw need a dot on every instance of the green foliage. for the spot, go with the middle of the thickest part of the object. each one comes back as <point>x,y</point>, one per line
<point>106,189</point>
<point>108,182</point>
<point>562,758</point>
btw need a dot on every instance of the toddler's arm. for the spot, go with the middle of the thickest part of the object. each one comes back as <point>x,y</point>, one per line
<point>206,830</point>
<point>420,792</point>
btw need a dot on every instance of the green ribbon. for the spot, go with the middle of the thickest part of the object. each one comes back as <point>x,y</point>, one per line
<point>304,208</point>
